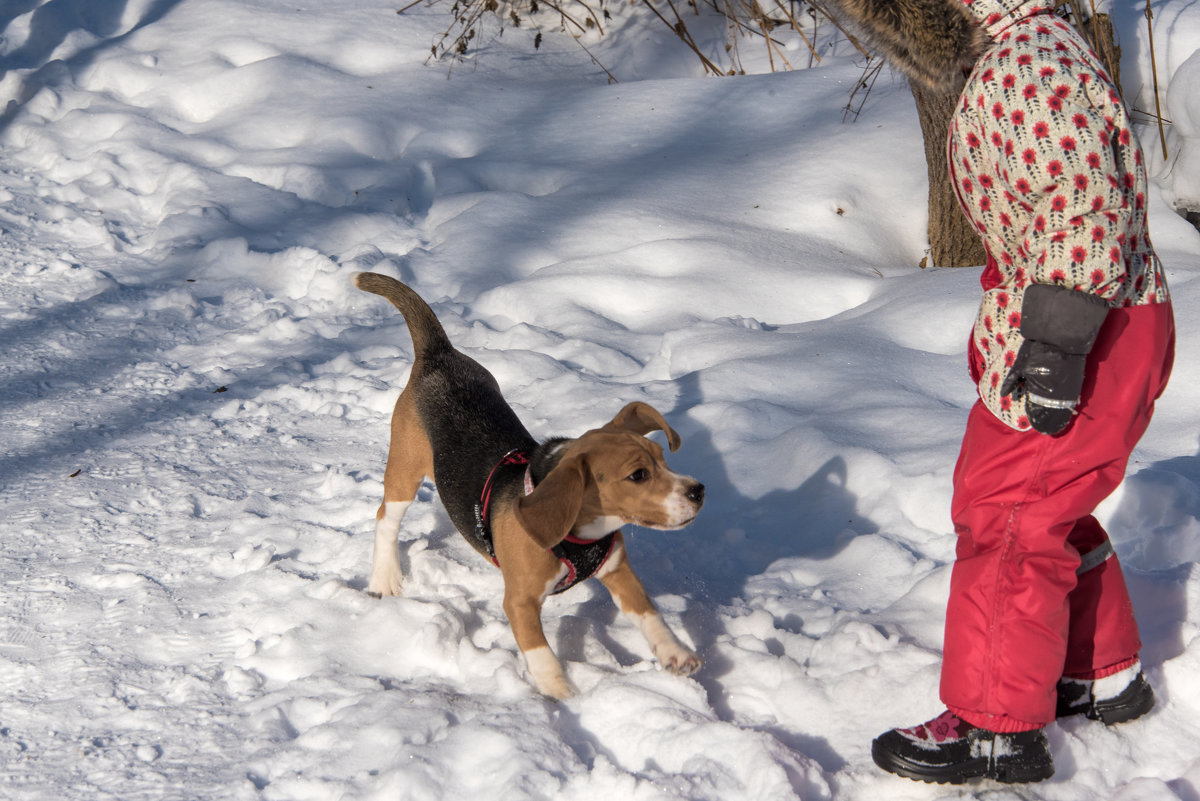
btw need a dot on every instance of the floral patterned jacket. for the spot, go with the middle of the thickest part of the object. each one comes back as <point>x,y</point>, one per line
<point>1049,172</point>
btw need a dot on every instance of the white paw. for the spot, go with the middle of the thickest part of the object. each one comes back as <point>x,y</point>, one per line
<point>678,660</point>
<point>385,582</point>
<point>558,688</point>
<point>548,674</point>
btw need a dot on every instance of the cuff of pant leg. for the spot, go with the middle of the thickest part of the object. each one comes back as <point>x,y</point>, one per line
<point>1001,724</point>
<point>1108,670</point>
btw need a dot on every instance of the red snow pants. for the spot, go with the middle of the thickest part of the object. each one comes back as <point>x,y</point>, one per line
<point>1019,616</point>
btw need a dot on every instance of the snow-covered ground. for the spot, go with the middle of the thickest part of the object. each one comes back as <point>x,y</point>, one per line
<point>194,406</point>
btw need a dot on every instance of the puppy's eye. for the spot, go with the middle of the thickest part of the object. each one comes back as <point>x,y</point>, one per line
<point>639,475</point>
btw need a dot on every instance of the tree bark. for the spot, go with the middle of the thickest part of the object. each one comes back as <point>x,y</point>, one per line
<point>953,242</point>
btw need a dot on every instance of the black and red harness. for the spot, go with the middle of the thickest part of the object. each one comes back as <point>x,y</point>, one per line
<point>581,557</point>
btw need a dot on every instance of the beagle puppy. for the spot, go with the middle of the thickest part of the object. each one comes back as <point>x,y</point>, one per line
<point>548,515</point>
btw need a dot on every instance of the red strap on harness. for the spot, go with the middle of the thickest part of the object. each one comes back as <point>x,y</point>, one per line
<point>515,456</point>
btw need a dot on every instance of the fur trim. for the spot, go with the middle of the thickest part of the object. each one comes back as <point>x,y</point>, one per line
<point>931,41</point>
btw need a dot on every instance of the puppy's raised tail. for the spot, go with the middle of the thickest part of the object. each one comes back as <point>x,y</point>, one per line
<point>423,324</point>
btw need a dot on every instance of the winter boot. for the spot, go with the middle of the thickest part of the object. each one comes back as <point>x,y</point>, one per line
<point>950,750</point>
<point>1113,699</point>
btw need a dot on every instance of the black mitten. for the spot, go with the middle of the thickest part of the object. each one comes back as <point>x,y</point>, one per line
<point>1060,326</point>
<point>1052,379</point>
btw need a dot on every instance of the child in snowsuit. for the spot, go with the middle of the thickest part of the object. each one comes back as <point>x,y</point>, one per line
<point>1072,346</point>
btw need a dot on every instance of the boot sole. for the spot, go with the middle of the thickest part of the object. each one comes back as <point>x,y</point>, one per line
<point>1006,771</point>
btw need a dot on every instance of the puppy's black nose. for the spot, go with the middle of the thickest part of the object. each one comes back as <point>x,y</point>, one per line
<point>695,493</point>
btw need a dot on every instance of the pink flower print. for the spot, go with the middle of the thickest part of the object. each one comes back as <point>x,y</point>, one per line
<point>1005,403</point>
<point>1009,358</point>
<point>1124,137</point>
<point>1054,102</point>
<point>1018,117</point>
<point>1054,168</point>
<point>1097,203</point>
<point>985,181</point>
<point>1081,182</point>
<point>1030,91</point>
<point>1006,222</point>
<point>1009,81</point>
<point>967,186</point>
<point>1029,156</point>
<point>1114,255</point>
<point>1047,71</point>
<point>1002,300</point>
<point>1078,254</point>
<point>1080,120</point>
<point>995,380</point>
<point>985,203</point>
<point>1067,143</point>
<point>997,139</point>
<point>1058,276</point>
<point>1022,422</point>
<point>1058,203</point>
<point>943,727</point>
<point>1039,223</point>
<point>1014,320</point>
<point>1041,129</point>
<point>1098,232</point>
<point>973,140</point>
<point>1022,38</point>
<point>1093,160</point>
<point>1023,186</point>
<point>988,75</point>
<point>1097,277</point>
<point>1139,201</point>
<point>1062,90</point>
<point>998,111</point>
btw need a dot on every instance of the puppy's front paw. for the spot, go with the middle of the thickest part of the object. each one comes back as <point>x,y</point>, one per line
<point>385,582</point>
<point>679,660</point>
<point>548,674</point>
<point>557,688</point>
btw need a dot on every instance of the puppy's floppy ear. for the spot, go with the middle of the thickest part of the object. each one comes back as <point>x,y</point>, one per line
<point>642,418</point>
<point>549,512</point>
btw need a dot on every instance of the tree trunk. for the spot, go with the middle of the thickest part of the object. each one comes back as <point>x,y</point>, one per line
<point>953,242</point>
